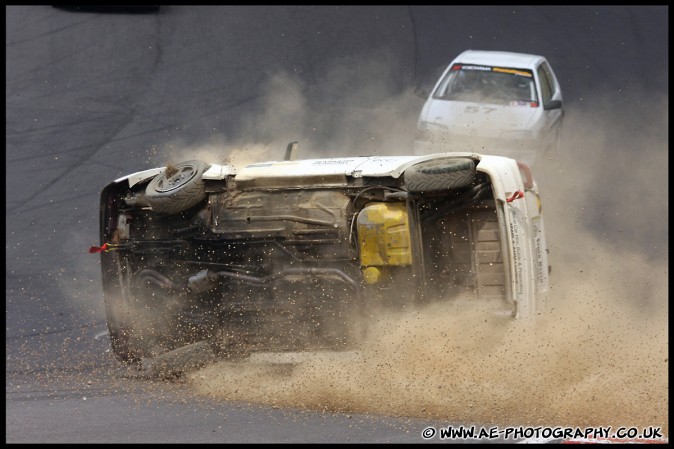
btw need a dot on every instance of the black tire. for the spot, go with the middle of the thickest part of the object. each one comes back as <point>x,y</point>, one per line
<point>177,190</point>
<point>117,310</point>
<point>179,361</point>
<point>123,338</point>
<point>141,317</point>
<point>443,174</point>
<point>119,342</point>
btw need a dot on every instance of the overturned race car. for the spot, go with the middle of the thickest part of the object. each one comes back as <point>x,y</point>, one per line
<point>296,255</point>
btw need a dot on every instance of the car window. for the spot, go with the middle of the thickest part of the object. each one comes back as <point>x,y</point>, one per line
<point>488,84</point>
<point>551,78</point>
<point>546,86</point>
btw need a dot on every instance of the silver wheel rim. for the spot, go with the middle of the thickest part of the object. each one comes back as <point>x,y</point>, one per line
<point>184,174</point>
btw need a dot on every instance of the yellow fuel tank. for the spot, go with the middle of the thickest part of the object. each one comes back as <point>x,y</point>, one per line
<point>384,235</point>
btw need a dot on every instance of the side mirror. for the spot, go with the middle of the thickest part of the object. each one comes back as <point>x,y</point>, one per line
<point>421,93</point>
<point>554,104</point>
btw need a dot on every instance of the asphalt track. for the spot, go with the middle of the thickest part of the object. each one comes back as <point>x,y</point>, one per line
<point>91,96</point>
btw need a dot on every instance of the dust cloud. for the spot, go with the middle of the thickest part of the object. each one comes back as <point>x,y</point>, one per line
<point>359,111</point>
<point>597,356</point>
<point>591,361</point>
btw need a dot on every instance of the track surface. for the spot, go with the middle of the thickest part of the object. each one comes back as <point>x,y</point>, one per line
<point>93,96</point>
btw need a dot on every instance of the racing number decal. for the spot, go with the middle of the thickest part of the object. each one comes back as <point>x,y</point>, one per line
<point>475,109</point>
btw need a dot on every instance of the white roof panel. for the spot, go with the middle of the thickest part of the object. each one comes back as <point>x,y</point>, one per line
<point>499,58</point>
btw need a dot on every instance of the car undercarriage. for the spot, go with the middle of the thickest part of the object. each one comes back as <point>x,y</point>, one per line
<point>292,262</point>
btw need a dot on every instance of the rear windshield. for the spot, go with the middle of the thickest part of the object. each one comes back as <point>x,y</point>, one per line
<point>488,84</point>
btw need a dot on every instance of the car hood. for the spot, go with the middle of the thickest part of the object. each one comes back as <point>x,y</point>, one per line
<point>469,118</point>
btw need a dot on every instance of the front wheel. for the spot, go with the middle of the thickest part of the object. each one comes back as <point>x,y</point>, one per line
<point>177,188</point>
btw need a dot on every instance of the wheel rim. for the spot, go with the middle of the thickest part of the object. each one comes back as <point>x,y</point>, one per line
<point>184,174</point>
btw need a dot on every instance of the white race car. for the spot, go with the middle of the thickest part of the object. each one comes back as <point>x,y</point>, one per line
<point>493,102</point>
<point>287,255</point>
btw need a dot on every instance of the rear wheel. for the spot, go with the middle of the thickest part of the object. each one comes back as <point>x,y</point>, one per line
<point>436,175</point>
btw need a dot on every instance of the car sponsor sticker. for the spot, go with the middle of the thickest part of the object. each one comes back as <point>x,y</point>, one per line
<point>512,71</point>
<point>484,68</point>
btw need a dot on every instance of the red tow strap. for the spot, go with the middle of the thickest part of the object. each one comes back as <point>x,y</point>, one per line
<point>516,195</point>
<point>98,249</point>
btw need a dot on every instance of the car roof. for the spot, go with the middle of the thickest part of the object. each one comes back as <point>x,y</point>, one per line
<point>499,58</point>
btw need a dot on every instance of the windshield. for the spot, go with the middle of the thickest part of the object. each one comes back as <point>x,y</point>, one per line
<point>486,84</point>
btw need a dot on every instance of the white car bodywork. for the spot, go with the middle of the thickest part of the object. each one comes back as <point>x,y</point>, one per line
<point>518,113</point>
